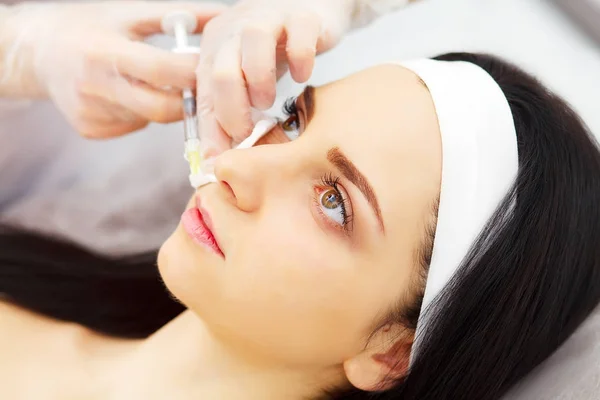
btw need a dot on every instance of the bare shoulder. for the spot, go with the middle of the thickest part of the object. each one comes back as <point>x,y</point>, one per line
<point>29,344</point>
<point>22,334</point>
<point>29,334</point>
<point>14,320</point>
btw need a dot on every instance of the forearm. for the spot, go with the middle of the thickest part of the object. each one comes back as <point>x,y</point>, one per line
<point>17,77</point>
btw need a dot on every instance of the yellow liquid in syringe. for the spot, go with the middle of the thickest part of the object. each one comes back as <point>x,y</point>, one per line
<point>194,159</point>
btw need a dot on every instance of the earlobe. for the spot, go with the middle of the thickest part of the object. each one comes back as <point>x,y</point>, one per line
<point>383,362</point>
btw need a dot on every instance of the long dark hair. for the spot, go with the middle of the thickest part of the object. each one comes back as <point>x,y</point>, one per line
<point>532,277</point>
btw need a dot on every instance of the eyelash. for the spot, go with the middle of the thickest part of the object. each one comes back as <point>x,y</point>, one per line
<point>290,108</point>
<point>332,182</point>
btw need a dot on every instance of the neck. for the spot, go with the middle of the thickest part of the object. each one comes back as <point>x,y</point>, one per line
<point>186,361</point>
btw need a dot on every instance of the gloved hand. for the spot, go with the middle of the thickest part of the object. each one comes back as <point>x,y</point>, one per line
<point>89,59</point>
<point>247,48</point>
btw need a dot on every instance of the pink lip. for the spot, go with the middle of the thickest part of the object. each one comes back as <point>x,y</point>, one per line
<point>198,225</point>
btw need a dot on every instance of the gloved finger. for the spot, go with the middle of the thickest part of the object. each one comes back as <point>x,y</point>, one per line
<point>153,105</point>
<point>94,130</point>
<point>145,19</point>
<point>282,61</point>
<point>141,99</point>
<point>303,30</point>
<point>214,139</point>
<point>229,91</point>
<point>259,47</point>
<point>99,110</point>
<point>155,66</point>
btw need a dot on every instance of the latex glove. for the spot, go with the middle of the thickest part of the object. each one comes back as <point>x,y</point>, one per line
<point>247,48</point>
<point>89,59</point>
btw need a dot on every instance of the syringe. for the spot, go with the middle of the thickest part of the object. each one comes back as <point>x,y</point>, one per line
<point>180,24</point>
<point>190,128</point>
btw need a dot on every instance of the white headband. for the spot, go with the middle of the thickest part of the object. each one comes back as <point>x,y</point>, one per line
<point>479,161</point>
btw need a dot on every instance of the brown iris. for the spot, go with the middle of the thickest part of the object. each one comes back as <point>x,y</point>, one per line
<point>331,199</point>
<point>291,124</point>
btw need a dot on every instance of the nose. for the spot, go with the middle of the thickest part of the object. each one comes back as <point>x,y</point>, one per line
<point>248,175</point>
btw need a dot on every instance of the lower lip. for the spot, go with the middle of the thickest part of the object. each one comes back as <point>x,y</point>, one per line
<point>196,228</point>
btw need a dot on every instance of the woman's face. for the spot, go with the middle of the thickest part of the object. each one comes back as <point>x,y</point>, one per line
<point>318,236</point>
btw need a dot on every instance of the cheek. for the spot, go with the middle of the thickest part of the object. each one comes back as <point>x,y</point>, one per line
<point>283,266</point>
<point>298,285</point>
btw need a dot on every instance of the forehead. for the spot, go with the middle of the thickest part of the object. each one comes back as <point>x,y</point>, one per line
<point>384,120</point>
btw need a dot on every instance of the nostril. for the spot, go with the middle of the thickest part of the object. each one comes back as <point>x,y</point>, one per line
<point>228,189</point>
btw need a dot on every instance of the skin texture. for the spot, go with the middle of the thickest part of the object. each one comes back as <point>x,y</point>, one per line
<point>293,286</point>
<point>296,303</point>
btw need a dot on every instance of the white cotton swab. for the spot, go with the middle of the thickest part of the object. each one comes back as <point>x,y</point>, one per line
<point>261,128</point>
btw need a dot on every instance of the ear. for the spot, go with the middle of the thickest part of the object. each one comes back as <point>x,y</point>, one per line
<point>385,359</point>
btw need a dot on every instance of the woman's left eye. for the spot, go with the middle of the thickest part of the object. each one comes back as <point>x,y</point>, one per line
<point>291,126</point>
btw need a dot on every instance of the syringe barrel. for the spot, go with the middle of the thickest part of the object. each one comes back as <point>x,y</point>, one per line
<point>190,119</point>
<point>189,105</point>
<point>190,127</point>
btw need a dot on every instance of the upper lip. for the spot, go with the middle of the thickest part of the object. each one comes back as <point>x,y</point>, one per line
<point>208,221</point>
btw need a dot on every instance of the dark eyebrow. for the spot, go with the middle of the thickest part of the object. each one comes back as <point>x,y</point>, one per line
<point>308,101</point>
<point>349,170</point>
